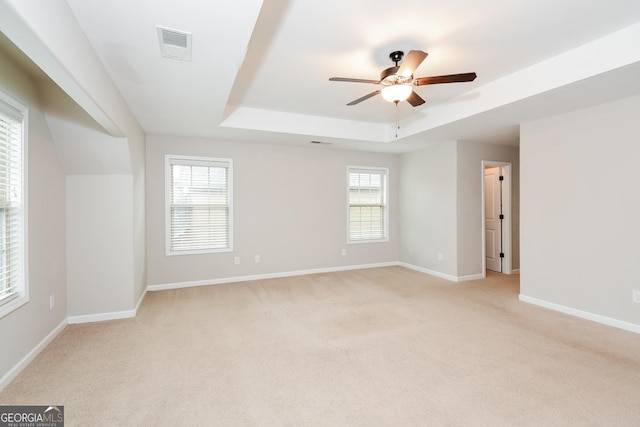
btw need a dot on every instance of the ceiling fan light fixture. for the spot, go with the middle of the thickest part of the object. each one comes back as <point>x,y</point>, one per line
<point>396,92</point>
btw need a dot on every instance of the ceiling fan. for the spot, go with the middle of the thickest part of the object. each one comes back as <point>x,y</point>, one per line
<point>397,80</point>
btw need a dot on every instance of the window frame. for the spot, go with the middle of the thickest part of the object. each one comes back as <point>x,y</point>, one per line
<point>384,171</point>
<point>20,113</point>
<point>204,161</point>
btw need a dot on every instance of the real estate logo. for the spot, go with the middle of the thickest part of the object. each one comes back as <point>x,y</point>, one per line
<point>31,416</point>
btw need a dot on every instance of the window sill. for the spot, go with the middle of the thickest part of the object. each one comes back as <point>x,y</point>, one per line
<point>12,305</point>
<point>357,242</point>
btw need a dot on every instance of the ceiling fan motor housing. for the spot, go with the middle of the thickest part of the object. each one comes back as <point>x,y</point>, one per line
<point>390,77</point>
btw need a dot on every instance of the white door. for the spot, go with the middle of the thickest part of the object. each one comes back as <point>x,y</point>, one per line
<point>492,212</point>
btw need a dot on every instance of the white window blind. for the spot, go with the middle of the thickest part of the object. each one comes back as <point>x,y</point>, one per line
<point>199,205</point>
<point>368,212</point>
<point>13,287</point>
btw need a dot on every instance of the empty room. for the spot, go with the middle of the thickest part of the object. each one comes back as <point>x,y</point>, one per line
<point>319,213</point>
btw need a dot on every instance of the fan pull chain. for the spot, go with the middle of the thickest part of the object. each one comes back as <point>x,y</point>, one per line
<point>397,119</point>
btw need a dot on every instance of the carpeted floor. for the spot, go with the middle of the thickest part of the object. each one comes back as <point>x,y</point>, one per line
<point>377,347</point>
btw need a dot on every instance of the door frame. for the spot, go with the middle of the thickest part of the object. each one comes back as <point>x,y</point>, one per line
<point>506,223</point>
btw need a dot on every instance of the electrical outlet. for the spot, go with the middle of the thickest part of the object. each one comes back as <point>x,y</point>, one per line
<point>636,296</point>
<point>344,252</point>
<point>52,302</point>
<point>257,258</point>
<point>236,260</point>
<point>439,256</point>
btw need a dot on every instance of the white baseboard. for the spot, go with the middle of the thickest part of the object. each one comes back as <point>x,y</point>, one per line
<point>180,285</point>
<point>24,362</point>
<point>144,294</point>
<point>312,271</point>
<point>265,276</point>
<point>470,277</point>
<point>515,271</point>
<point>442,275</point>
<point>632,327</point>
<point>101,317</point>
<point>429,272</point>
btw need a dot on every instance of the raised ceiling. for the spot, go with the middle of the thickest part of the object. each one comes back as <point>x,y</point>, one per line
<point>260,70</point>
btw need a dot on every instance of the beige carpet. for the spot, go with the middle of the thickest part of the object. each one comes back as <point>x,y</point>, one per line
<point>377,347</point>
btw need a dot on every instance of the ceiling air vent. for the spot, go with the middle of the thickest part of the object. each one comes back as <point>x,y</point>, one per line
<point>174,44</point>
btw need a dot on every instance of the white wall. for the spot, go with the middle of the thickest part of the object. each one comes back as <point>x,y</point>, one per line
<point>470,204</point>
<point>428,188</point>
<point>289,208</point>
<point>99,229</point>
<point>24,328</point>
<point>580,209</point>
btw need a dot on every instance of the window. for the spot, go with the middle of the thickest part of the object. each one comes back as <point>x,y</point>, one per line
<point>368,219</point>
<point>14,290</point>
<point>199,204</point>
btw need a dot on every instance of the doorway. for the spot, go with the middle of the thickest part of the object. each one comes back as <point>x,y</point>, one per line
<point>496,217</point>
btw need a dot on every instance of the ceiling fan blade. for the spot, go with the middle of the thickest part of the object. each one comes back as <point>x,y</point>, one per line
<point>451,78</point>
<point>414,99</point>
<point>359,100</point>
<point>411,62</point>
<point>346,79</point>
